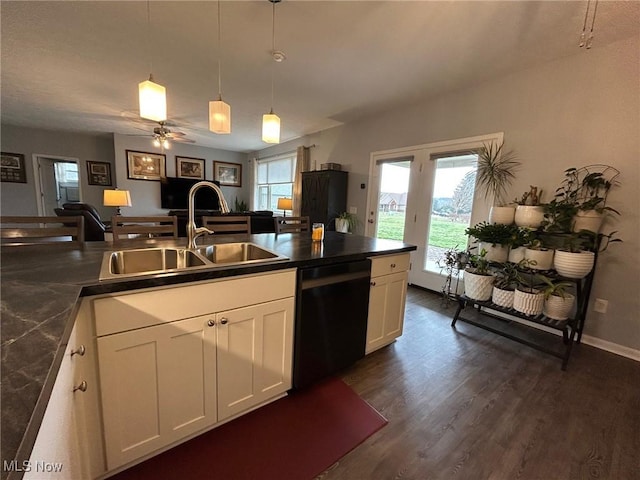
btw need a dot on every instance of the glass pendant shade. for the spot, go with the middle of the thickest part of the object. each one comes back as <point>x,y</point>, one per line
<point>270,128</point>
<point>153,101</point>
<point>219,116</point>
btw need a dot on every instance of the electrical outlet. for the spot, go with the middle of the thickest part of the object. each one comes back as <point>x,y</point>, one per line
<point>353,210</point>
<point>600,305</point>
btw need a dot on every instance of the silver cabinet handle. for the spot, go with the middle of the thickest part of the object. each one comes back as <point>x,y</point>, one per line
<point>211,323</point>
<point>82,387</point>
<point>81,350</point>
<point>224,321</point>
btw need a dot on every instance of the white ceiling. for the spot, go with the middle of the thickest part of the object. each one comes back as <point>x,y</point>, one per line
<point>76,65</point>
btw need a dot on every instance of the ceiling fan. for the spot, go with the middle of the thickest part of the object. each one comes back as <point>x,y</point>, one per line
<point>163,136</point>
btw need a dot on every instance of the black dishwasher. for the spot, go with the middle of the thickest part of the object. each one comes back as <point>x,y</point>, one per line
<point>331,319</point>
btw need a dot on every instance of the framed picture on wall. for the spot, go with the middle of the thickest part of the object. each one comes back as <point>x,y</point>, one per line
<point>228,174</point>
<point>12,168</point>
<point>187,167</point>
<point>145,165</point>
<point>99,173</point>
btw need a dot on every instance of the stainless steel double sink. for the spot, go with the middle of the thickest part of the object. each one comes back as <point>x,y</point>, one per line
<point>148,261</point>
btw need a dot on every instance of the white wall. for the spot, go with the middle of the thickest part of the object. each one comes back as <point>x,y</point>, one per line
<point>20,198</point>
<point>575,111</point>
<point>145,194</point>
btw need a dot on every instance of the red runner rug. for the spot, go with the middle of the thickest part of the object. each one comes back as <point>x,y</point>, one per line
<point>295,438</point>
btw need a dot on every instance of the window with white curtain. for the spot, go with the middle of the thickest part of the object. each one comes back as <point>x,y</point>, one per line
<point>273,179</point>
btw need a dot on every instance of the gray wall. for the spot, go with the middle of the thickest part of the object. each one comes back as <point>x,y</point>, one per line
<point>575,111</point>
<point>145,195</point>
<point>20,198</point>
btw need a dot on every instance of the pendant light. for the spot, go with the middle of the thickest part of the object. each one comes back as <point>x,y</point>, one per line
<point>219,111</point>
<point>153,97</point>
<point>270,121</point>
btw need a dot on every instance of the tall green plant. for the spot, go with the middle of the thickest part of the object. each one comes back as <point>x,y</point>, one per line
<point>496,169</point>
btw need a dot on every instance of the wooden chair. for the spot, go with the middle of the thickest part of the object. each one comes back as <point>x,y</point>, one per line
<point>161,225</point>
<point>31,230</point>
<point>228,224</point>
<point>291,224</point>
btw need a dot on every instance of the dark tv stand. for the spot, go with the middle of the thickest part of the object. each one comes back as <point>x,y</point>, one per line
<point>261,222</point>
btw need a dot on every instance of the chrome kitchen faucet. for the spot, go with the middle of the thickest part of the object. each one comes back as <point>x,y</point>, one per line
<point>194,232</point>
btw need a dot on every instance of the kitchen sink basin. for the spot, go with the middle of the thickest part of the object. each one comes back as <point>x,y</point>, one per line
<point>149,260</point>
<point>241,252</point>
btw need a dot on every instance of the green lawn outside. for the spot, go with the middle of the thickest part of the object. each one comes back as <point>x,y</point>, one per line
<point>444,233</point>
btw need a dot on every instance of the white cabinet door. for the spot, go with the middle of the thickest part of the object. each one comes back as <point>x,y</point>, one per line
<point>386,309</point>
<point>158,385</point>
<point>254,355</point>
<point>57,452</point>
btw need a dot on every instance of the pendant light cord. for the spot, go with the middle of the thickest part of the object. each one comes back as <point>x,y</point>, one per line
<point>219,55</point>
<point>149,47</point>
<point>273,46</point>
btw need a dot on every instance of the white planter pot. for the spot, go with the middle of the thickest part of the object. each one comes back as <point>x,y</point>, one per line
<point>503,215</point>
<point>558,308</point>
<point>502,298</point>
<point>516,254</point>
<point>587,220</point>
<point>478,287</point>
<point>529,216</point>
<point>573,264</point>
<point>342,225</point>
<point>528,303</point>
<point>495,253</point>
<point>543,258</point>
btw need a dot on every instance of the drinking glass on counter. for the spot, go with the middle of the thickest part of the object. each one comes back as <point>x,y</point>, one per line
<point>317,232</point>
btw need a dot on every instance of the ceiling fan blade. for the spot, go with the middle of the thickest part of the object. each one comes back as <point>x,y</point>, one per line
<point>183,140</point>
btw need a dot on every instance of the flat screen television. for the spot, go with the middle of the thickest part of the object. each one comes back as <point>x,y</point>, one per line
<point>174,195</point>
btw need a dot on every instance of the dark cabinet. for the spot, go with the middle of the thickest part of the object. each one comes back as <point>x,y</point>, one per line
<point>324,196</point>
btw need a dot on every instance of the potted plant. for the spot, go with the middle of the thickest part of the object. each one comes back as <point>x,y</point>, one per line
<point>538,256</point>
<point>346,222</point>
<point>557,301</point>
<point>560,211</point>
<point>577,257</point>
<point>529,212</point>
<point>592,196</point>
<point>506,281</point>
<point>478,281</point>
<point>451,263</point>
<point>495,172</point>
<point>528,298</point>
<point>494,238</point>
<point>520,237</point>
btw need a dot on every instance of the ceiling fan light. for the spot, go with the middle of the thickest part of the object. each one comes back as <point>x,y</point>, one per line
<point>166,144</point>
<point>153,101</point>
<point>156,142</point>
<point>270,128</point>
<point>219,117</point>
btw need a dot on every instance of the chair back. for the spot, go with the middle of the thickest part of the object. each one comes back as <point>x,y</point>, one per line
<point>32,230</point>
<point>228,224</point>
<point>94,228</point>
<point>291,224</point>
<point>154,226</point>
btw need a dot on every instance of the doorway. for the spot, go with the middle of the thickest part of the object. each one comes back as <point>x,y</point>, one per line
<point>57,182</point>
<point>441,201</point>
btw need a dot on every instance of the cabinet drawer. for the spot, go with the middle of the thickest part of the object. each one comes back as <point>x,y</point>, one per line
<point>388,264</point>
<point>140,309</point>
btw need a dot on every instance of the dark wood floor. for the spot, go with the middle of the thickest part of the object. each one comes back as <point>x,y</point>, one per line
<point>467,404</point>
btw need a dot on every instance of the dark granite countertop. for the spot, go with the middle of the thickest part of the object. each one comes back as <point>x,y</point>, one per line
<point>40,290</point>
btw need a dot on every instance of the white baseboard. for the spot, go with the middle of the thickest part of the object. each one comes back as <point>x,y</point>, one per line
<point>628,352</point>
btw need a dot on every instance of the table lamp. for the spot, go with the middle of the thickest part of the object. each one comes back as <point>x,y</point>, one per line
<point>117,198</point>
<point>285,204</point>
